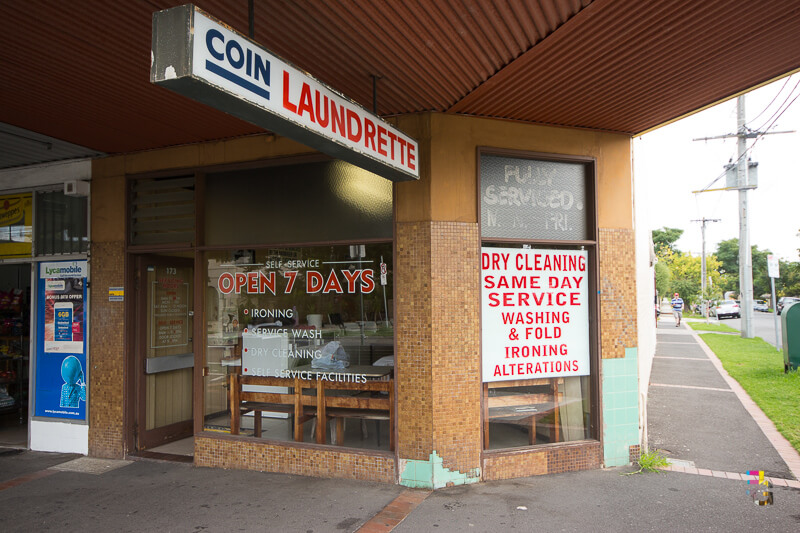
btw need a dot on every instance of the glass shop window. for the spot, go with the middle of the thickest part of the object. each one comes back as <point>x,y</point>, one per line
<point>16,225</point>
<point>538,300</point>
<point>61,224</point>
<point>300,344</point>
<point>298,304</point>
<point>320,201</point>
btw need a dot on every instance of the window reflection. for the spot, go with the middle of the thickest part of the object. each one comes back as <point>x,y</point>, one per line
<point>301,342</point>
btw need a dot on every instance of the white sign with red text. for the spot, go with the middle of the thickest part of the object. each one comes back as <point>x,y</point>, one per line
<point>241,67</point>
<point>535,313</point>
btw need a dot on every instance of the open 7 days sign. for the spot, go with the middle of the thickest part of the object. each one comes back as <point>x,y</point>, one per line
<point>198,56</point>
<point>535,313</point>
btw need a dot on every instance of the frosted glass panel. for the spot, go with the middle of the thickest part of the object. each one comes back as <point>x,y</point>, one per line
<point>533,199</point>
<point>310,202</point>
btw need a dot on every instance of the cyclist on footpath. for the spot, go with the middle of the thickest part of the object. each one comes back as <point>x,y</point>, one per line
<point>677,309</point>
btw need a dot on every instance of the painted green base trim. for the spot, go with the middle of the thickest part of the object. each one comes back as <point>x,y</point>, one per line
<point>421,474</point>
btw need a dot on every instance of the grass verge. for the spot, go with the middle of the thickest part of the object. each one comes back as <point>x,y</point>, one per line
<point>721,328</point>
<point>758,367</point>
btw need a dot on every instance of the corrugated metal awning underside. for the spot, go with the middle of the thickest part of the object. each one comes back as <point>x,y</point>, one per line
<point>80,72</point>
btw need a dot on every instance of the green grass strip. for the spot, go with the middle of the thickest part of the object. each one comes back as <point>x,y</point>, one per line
<point>711,326</point>
<point>758,367</point>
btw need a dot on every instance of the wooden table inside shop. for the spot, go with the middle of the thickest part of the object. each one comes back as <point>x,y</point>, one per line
<point>527,406</point>
<point>364,400</point>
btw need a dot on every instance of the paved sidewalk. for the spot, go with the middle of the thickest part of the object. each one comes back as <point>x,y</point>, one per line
<point>699,416</point>
<point>695,416</point>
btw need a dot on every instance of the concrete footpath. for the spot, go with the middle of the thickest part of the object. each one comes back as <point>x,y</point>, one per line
<point>696,418</point>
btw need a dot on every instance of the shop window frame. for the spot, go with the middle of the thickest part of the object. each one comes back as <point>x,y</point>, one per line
<point>591,246</point>
<point>199,250</point>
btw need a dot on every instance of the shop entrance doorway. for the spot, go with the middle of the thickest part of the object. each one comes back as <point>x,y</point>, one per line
<point>15,313</point>
<point>164,350</point>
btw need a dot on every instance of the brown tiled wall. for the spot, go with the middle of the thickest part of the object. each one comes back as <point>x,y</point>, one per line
<point>106,355</point>
<point>567,458</point>
<point>455,297</point>
<point>573,457</point>
<point>414,339</point>
<point>438,342</point>
<point>250,454</point>
<point>618,292</point>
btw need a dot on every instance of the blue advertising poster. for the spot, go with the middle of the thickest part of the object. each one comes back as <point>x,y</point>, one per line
<point>61,373</point>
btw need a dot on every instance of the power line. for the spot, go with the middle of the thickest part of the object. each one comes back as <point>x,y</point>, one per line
<point>786,81</point>
<point>780,106</point>
<point>749,134</point>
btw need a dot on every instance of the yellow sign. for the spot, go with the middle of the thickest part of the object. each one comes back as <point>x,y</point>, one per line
<point>16,225</point>
<point>116,294</point>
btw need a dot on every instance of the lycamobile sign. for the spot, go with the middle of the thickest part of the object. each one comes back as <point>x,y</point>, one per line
<point>200,57</point>
<point>76,269</point>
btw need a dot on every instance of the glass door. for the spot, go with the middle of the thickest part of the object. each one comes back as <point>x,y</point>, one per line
<point>165,350</point>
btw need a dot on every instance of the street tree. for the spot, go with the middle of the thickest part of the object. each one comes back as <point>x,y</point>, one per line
<point>728,255</point>
<point>665,238</point>
<point>681,273</point>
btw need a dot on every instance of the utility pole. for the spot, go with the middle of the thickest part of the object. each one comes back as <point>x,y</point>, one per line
<point>745,254</point>
<point>703,276</point>
<point>743,185</point>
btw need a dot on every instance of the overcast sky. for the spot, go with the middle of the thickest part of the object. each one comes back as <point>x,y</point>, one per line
<point>669,165</point>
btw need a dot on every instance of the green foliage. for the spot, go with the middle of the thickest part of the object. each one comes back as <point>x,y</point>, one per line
<point>728,256</point>
<point>663,278</point>
<point>758,367</point>
<point>680,272</point>
<point>789,282</point>
<point>650,461</point>
<point>665,238</point>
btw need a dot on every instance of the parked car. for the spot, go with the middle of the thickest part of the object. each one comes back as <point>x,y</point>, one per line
<point>727,308</point>
<point>784,301</point>
<point>760,305</point>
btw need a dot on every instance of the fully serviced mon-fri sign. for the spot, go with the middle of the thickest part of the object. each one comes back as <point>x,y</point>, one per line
<point>535,313</point>
<point>200,57</point>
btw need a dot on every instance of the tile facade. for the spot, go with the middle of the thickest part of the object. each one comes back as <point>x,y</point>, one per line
<point>546,460</point>
<point>617,292</point>
<point>438,344</point>
<point>413,360</point>
<point>106,355</point>
<point>251,454</point>
<point>437,357</point>
<point>620,407</point>
<point>455,295</point>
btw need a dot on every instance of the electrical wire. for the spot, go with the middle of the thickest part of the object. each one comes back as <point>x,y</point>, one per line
<point>773,100</point>
<point>760,128</point>
<point>749,149</point>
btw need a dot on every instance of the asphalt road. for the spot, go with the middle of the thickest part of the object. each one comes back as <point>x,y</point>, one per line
<point>763,325</point>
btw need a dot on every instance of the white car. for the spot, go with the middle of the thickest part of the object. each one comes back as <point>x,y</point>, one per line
<point>760,305</point>
<point>727,308</point>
